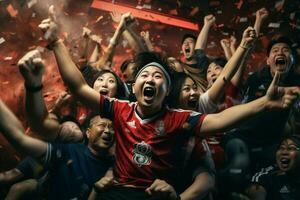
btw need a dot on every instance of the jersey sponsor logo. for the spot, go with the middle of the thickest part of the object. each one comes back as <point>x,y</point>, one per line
<point>142,153</point>
<point>284,190</point>
<point>160,128</point>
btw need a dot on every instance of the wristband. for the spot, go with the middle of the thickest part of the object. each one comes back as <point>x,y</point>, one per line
<point>243,47</point>
<point>33,89</point>
<point>52,44</point>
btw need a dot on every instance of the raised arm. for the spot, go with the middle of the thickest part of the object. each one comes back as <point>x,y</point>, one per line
<point>13,131</point>
<point>225,44</point>
<point>261,16</point>
<point>125,21</point>
<point>215,92</point>
<point>96,52</point>
<point>201,42</point>
<point>67,68</point>
<point>275,99</point>
<point>40,121</point>
<point>146,36</point>
<point>133,39</point>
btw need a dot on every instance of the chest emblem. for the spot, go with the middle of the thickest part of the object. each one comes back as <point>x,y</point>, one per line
<point>142,153</point>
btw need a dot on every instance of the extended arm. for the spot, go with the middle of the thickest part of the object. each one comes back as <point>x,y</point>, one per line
<point>275,99</point>
<point>201,186</point>
<point>231,67</point>
<point>261,16</point>
<point>68,70</point>
<point>225,44</point>
<point>146,36</point>
<point>40,121</point>
<point>126,19</point>
<point>201,42</point>
<point>13,131</point>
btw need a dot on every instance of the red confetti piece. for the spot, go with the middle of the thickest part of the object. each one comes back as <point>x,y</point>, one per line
<point>11,11</point>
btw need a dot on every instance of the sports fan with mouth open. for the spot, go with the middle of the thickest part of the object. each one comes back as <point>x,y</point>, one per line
<point>148,134</point>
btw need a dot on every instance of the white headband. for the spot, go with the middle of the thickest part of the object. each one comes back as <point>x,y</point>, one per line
<point>160,67</point>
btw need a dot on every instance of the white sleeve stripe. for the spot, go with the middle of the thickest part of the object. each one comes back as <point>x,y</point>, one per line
<point>263,171</point>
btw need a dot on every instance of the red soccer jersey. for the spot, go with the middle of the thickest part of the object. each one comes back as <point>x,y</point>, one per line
<point>147,149</point>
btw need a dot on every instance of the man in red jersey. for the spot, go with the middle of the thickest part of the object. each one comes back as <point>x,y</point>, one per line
<point>149,135</point>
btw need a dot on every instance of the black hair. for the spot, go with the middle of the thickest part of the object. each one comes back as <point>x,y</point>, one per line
<point>188,35</point>
<point>279,39</point>
<point>173,98</point>
<point>121,91</point>
<point>221,61</point>
<point>125,64</point>
<point>294,137</point>
<point>145,58</point>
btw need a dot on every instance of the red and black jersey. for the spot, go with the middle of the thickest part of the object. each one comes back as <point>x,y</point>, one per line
<point>147,149</point>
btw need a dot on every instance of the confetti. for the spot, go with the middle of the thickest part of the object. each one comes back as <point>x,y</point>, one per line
<point>8,58</point>
<point>31,3</point>
<point>243,19</point>
<point>2,40</point>
<point>274,25</point>
<point>11,11</point>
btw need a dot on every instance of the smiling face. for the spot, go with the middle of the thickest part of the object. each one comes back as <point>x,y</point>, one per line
<point>188,47</point>
<point>189,95</point>
<point>213,72</point>
<point>150,89</point>
<point>106,84</point>
<point>100,134</point>
<point>280,58</point>
<point>287,155</point>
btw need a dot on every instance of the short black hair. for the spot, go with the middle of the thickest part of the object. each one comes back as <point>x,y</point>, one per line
<point>221,61</point>
<point>121,90</point>
<point>173,98</point>
<point>125,64</point>
<point>294,137</point>
<point>279,39</point>
<point>188,35</point>
<point>144,58</point>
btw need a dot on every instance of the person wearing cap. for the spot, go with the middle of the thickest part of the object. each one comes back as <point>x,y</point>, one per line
<point>282,180</point>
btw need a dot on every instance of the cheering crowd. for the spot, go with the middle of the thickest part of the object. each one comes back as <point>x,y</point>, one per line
<point>164,129</point>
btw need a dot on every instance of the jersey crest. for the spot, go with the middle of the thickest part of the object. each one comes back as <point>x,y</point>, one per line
<point>142,153</point>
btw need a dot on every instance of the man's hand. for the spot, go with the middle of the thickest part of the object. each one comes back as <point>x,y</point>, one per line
<point>49,27</point>
<point>126,20</point>
<point>116,16</point>
<point>281,97</point>
<point>262,14</point>
<point>209,20</point>
<point>225,43</point>
<point>145,35</point>
<point>248,38</point>
<point>104,183</point>
<point>232,41</point>
<point>162,189</point>
<point>86,32</point>
<point>97,39</point>
<point>32,68</point>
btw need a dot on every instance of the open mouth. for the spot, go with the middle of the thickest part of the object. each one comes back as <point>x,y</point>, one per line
<point>187,50</point>
<point>149,92</point>
<point>104,92</point>
<point>107,138</point>
<point>285,162</point>
<point>280,61</point>
<point>192,103</point>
